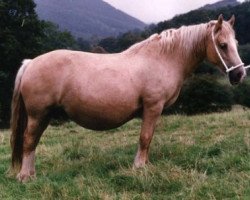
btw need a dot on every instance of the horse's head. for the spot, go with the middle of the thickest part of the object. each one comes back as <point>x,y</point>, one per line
<point>222,49</point>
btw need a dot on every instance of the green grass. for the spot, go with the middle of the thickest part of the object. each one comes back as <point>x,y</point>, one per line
<point>197,157</point>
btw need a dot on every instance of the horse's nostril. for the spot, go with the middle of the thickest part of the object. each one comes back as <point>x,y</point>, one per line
<point>239,74</point>
<point>236,76</point>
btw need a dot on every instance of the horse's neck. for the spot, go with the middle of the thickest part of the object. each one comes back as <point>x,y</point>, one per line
<point>180,49</point>
<point>186,46</point>
<point>191,47</point>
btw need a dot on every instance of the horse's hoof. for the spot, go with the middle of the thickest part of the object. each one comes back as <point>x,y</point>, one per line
<point>24,178</point>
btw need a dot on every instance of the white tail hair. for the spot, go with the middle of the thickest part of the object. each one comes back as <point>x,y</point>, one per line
<point>20,72</point>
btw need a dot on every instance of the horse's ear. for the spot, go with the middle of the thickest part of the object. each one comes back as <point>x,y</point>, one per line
<point>231,20</point>
<point>218,25</point>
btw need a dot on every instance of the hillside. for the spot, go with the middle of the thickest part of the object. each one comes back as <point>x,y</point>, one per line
<point>85,18</point>
<point>220,4</point>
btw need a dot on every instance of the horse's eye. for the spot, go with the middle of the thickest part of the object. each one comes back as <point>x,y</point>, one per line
<point>223,46</point>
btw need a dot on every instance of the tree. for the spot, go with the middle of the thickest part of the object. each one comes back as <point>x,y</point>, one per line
<point>53,38</point>
<point>110,44</point>
<point>20,33</point>
<point>23,35</point>
<point>84,45</point>
<point>128,39</point>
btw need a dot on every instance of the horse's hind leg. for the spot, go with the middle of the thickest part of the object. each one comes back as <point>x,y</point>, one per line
<point>32,134</point>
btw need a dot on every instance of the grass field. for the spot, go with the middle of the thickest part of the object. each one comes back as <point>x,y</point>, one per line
<point>197,157</point>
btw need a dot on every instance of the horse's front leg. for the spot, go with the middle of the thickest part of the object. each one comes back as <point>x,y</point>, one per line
<point>150,115</point>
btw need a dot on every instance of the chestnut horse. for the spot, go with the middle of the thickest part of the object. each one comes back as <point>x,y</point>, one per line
<point>104,91</point>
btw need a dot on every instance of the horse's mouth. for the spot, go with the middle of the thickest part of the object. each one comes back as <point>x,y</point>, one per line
<point>237,77</point>
<point>236,82</point>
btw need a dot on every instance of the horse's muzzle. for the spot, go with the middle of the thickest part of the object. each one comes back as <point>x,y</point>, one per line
<point>236,76</point>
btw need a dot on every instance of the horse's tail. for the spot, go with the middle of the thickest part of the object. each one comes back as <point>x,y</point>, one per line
<point>18,119</point>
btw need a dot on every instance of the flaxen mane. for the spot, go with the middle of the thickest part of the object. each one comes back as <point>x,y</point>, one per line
<point>182,39</point>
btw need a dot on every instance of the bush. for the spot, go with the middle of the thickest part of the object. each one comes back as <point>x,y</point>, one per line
<point>242,94</point>
<point>1,114</point>
<point>203,94</point>
<point>5,96</point>
<point>244,51</point>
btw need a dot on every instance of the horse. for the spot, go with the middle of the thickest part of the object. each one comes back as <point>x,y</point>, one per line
<point>104,91</point>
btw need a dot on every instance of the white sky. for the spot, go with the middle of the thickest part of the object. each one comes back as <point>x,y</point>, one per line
<point>157,10</point>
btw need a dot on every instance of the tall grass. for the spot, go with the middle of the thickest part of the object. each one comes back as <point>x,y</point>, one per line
<point>197,157</point>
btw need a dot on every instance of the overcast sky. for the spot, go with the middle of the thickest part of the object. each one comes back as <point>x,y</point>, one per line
<point>157,10</point>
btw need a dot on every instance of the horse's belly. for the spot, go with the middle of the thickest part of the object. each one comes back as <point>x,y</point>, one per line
<point>102,115</point>
<point>98,124</point>
<point>102,120</point>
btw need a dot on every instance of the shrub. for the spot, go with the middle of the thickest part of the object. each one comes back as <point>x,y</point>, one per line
<point>242,94</point>
<point>203,94</point>
<point>1,114</point>
<point>5,96</point>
